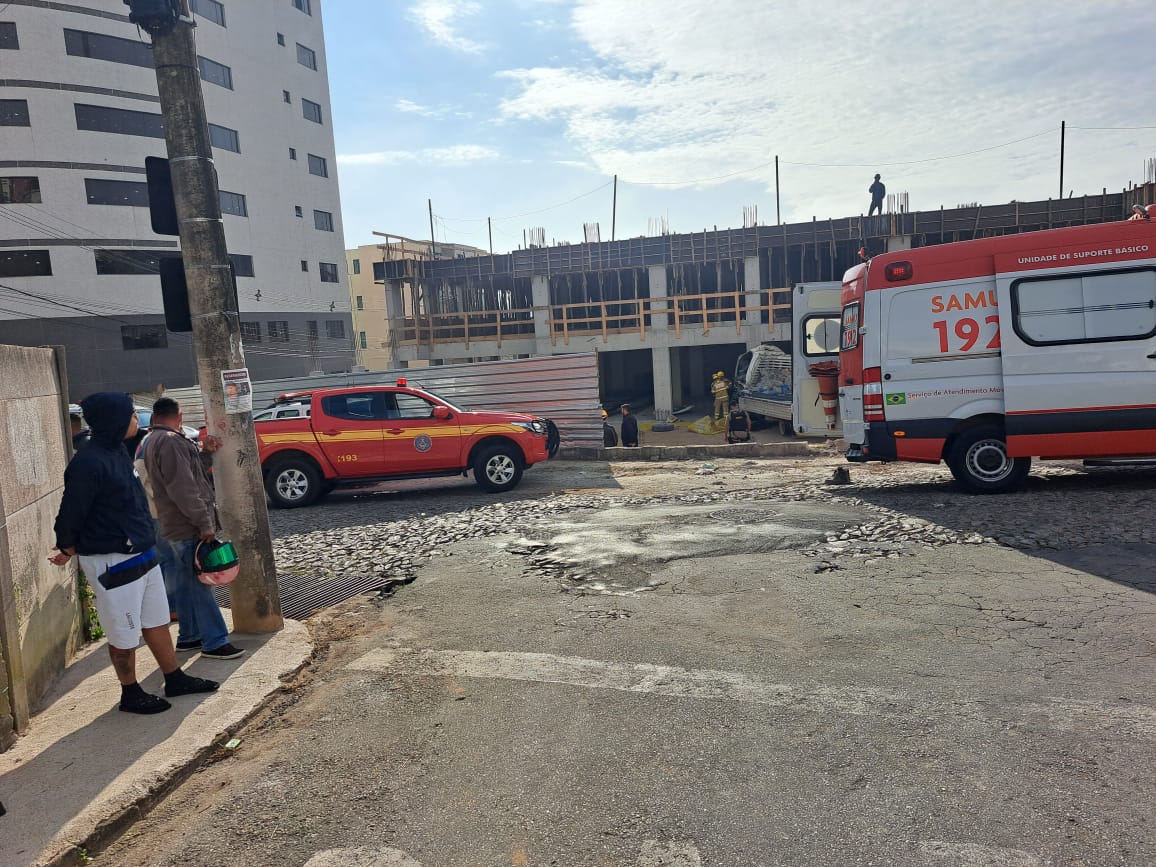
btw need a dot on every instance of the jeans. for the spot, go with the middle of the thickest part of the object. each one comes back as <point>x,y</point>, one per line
<point>197,609</point>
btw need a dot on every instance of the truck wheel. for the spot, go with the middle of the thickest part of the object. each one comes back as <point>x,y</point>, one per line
<point>498,468</point>
<point>979,461</point>
<point>786,429</point>
<point>293,483</point>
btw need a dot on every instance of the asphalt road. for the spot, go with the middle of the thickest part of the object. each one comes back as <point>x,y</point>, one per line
<point>707,676</point>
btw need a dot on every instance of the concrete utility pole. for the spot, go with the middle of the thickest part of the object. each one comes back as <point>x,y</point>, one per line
<point>256,603</point>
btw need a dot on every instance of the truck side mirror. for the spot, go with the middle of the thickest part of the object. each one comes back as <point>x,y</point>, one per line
<point>442,413</point>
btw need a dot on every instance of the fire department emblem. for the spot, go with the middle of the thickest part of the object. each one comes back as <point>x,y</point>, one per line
<point>423,443</point>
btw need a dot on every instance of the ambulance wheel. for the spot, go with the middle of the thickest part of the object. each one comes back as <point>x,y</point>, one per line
<point>980,463</point>
<point>292,483</point>
<point>498,468</point>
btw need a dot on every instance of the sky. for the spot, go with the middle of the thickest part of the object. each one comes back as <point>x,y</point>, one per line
<point>524,112</point>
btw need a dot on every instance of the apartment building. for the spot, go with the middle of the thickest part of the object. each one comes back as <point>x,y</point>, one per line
<point>79,113</point>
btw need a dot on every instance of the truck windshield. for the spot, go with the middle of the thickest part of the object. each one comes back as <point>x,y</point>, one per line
<point>448,403</point>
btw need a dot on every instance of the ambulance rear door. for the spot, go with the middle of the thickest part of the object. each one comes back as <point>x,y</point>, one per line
<point>1079,359</point>
<point>816,313</point>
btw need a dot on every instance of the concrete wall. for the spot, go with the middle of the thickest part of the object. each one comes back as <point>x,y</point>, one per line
<point>40,627</point>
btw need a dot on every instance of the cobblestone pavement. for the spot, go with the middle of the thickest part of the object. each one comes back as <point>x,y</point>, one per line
<point>913,508</point>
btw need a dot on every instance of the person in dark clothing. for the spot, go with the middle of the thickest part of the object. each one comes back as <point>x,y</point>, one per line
<point>738,425</point>
<point>609,435</point>
<point>80,434</point>
<point>104,521</point>
<point>877,191</point>
<point>629,427</point>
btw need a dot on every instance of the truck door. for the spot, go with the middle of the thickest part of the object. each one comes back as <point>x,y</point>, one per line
<point>415,441</point>
<point>815,339</point>
<point>349,431</point>
<point>1079,360</point>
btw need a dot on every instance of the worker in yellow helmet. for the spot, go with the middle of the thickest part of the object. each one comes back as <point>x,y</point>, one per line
<point>720,388</point>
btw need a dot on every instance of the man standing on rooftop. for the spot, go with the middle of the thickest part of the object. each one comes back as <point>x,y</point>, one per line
<point>877,191</point>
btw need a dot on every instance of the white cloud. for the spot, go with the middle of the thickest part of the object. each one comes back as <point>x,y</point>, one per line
<point>693,92</point>
<point>453,155</point>
<point>408,106</point>
<point>440,18</point>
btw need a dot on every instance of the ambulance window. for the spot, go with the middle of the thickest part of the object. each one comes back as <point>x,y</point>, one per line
<point>1084,308</point>
<point>412,406</point>
<point>821,335</point>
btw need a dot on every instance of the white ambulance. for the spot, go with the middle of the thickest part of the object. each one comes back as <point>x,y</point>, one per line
<point>987,353</point>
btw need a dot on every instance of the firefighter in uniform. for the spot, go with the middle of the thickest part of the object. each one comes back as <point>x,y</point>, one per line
<point>720,388</point>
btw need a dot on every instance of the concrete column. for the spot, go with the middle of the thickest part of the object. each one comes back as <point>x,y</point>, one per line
<point>663,381</point>
<point>540,295</point>
<point>658,290</point>
<point>751,285</point>
<point>898,242</point>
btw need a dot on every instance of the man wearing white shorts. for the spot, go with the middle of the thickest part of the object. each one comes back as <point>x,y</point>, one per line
<point>104,520</point>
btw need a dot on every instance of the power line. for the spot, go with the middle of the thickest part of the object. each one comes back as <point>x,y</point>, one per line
<point>527,213</point>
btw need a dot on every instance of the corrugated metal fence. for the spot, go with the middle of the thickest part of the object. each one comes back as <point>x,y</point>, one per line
<point>563,388</point>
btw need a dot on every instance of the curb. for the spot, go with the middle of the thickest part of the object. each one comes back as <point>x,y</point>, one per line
<point>120,813</point>
<point>684,453</point>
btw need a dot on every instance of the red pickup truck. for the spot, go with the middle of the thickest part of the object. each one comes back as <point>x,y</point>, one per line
<point>354,436</point>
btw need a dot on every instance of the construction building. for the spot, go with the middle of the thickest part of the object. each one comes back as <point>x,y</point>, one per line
<point>370,324</point>
<point>665,312</point>
<point>79,113</point>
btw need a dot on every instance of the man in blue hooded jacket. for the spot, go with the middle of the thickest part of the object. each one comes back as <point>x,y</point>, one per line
<point>104,520</point>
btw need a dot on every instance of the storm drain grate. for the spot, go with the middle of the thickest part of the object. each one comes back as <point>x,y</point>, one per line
<point>302,595</point>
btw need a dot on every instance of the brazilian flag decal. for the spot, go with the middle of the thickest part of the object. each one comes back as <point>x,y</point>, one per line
<point>896,399</point>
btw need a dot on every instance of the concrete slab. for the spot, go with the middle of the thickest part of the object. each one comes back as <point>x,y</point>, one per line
<point>86,770</point>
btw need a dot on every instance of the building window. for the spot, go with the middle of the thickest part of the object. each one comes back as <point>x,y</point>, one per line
<point>99,118</point>
<point>304,264</point>
<point>14,112</point>
<point>287,96</point>
<point>323,221</point>
<point>143,337</point>
<point>1085,308</point>
<point>306,56</point>
<point>297,210</point>
<point>251,332</point>
<point>25,263</point>
<point>224,138</point>
<point>8,37</point>
<point>98,46</point>
<point>242,265</point>
<point>311,328</point>
<point>20,191</point>
<point>311,110</point>
<point>278,330</point>
<point>335,329</point>
<point>210,10</point>
<point>133,194</point>
<point>292,153</point>
<point>360,299</point>
<point>361,340</point>
<point>318,166</point>
<point>303,5</point>
<point>127,262</point>
<point>215,73</point>
<point>233,203</point>
<point>328,272</point>
<point>356,266</point>
<point>280,38</point>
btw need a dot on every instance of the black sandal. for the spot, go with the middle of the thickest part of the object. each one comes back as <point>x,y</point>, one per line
<point>144,704</point>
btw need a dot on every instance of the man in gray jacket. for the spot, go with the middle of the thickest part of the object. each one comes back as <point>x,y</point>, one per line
<point>183,498</point>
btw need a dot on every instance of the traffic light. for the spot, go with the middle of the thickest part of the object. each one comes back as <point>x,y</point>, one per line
<point>175,293</point>
<point>162,204</point>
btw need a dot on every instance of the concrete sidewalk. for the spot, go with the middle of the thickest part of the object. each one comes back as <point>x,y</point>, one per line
<point>85,770</point>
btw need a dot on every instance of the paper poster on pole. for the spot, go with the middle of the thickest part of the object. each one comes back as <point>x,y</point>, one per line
<point>238,390</point>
